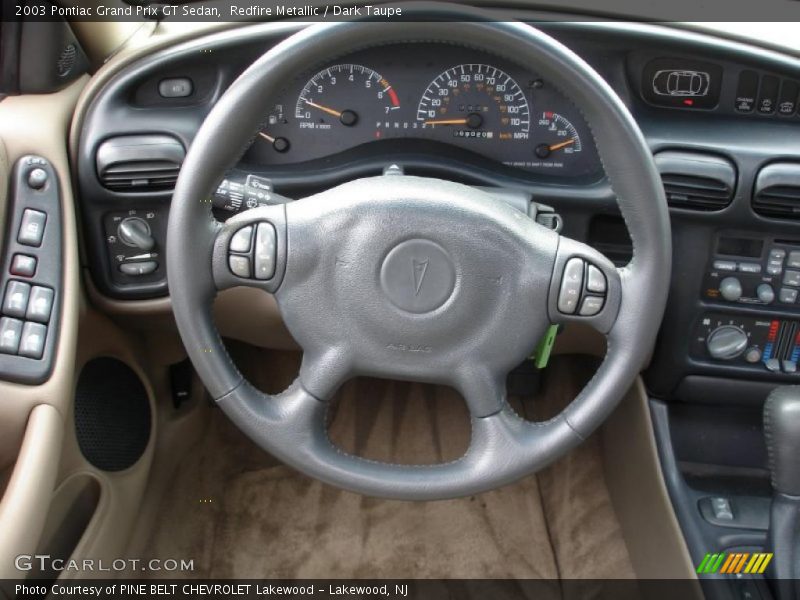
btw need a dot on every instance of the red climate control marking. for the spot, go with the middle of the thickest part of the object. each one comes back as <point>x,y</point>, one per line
<point>773,330</point>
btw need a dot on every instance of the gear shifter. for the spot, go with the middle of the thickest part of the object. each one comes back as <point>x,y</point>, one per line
<point>782,433</point>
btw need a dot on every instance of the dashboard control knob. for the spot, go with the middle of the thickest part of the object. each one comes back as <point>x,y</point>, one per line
<point>765,293</point>
<point>726,342</point>
<point>753,355</point>
<point>135,232</point>
<point>731,289</point>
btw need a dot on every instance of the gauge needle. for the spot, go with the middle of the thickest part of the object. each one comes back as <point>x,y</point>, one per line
<point>325,109</point>
<point>555,147</point>
<point>269,138</point>
<point>447,122</point>
<point>472,120</point>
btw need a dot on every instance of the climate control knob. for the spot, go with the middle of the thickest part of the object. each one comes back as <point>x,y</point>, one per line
<point>726,342</point>
<point>731,289</point>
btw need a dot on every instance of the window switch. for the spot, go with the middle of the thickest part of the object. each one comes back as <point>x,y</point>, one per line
<point>31,344</point>
<point>40,305</point>
<point>722,509</point>
<point>10,332</point>
<point>31,229</point>
<point>16,299</point>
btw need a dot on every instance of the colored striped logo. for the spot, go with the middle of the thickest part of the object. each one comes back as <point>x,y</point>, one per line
<point>733,563</point>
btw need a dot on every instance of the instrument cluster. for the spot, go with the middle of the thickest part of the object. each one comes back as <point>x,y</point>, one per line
<point>444,100</point>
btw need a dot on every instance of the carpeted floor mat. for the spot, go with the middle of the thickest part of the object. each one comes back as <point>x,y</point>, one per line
<point>239,514</point>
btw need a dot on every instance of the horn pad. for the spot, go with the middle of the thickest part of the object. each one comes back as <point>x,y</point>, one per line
<point>418,276</point>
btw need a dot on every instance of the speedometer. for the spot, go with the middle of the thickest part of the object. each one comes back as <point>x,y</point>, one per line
<point>476,101</point>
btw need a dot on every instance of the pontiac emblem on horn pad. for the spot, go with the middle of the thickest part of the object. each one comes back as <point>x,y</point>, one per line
<point>420,268</point>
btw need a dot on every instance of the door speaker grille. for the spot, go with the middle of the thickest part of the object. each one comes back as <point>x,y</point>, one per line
<point>112,414</point>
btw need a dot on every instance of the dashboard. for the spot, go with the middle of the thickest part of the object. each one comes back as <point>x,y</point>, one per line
<point>721,119</point>
<point>427,98</point>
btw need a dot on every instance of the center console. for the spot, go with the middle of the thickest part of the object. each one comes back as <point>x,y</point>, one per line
<point>751,272</point>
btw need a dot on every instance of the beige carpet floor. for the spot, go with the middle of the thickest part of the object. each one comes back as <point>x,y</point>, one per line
<point>240,514</point>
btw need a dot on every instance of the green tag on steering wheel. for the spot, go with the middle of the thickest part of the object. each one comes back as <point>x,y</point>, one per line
<point>542,354</point>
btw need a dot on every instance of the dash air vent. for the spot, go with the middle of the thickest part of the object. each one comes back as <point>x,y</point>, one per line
<point>139,163</point>
<point>777,191</point>
<point>696,181</point>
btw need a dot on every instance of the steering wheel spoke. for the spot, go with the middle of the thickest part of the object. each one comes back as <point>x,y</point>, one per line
<point>585,287</point>
<point>250,249</point>
<point>483,390</point>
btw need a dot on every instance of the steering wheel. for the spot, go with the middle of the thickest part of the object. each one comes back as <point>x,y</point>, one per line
<point>416,278</point>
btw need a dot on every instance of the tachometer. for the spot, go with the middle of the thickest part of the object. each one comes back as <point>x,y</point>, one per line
<point>344,95</point>
<point>476,101</point>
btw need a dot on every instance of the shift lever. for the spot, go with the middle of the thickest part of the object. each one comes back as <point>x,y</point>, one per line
<point>782,433</point>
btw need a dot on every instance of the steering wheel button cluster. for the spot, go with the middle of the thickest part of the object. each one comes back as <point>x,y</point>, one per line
<point>242,239</point>
<point>571,285</point>
<point>595,281</point>
<point>583,289</point>
<point>591,306</point>
<point>265,251</point>
<point>253,259</point>
<point>239,265</point>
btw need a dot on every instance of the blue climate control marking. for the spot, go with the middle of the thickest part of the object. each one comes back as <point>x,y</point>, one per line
<point>795,353</point>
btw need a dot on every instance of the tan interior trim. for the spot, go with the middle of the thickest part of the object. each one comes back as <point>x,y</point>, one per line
<point>24,507</point>
<point>32,417</point>
<point>38,125</point>
<point>640,497</point>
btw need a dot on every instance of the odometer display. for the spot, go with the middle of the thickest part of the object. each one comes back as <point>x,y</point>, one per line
<point>476,101</point>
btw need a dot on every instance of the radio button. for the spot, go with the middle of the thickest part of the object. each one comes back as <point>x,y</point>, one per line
<point>787,296</point>
<point>793,261</point>
<point>791,278</point>
<point>724,265</point>
<point>774,266</point>
<point>777,254</point>
<point>749,268</point>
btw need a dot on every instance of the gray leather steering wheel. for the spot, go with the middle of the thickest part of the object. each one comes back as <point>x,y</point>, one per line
<point>416,278</point>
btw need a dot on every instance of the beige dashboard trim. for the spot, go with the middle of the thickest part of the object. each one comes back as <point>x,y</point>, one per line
<point>24,507</point>
<point>639,494</point>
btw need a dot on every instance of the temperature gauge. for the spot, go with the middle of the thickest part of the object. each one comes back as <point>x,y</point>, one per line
<point>556,137</point>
